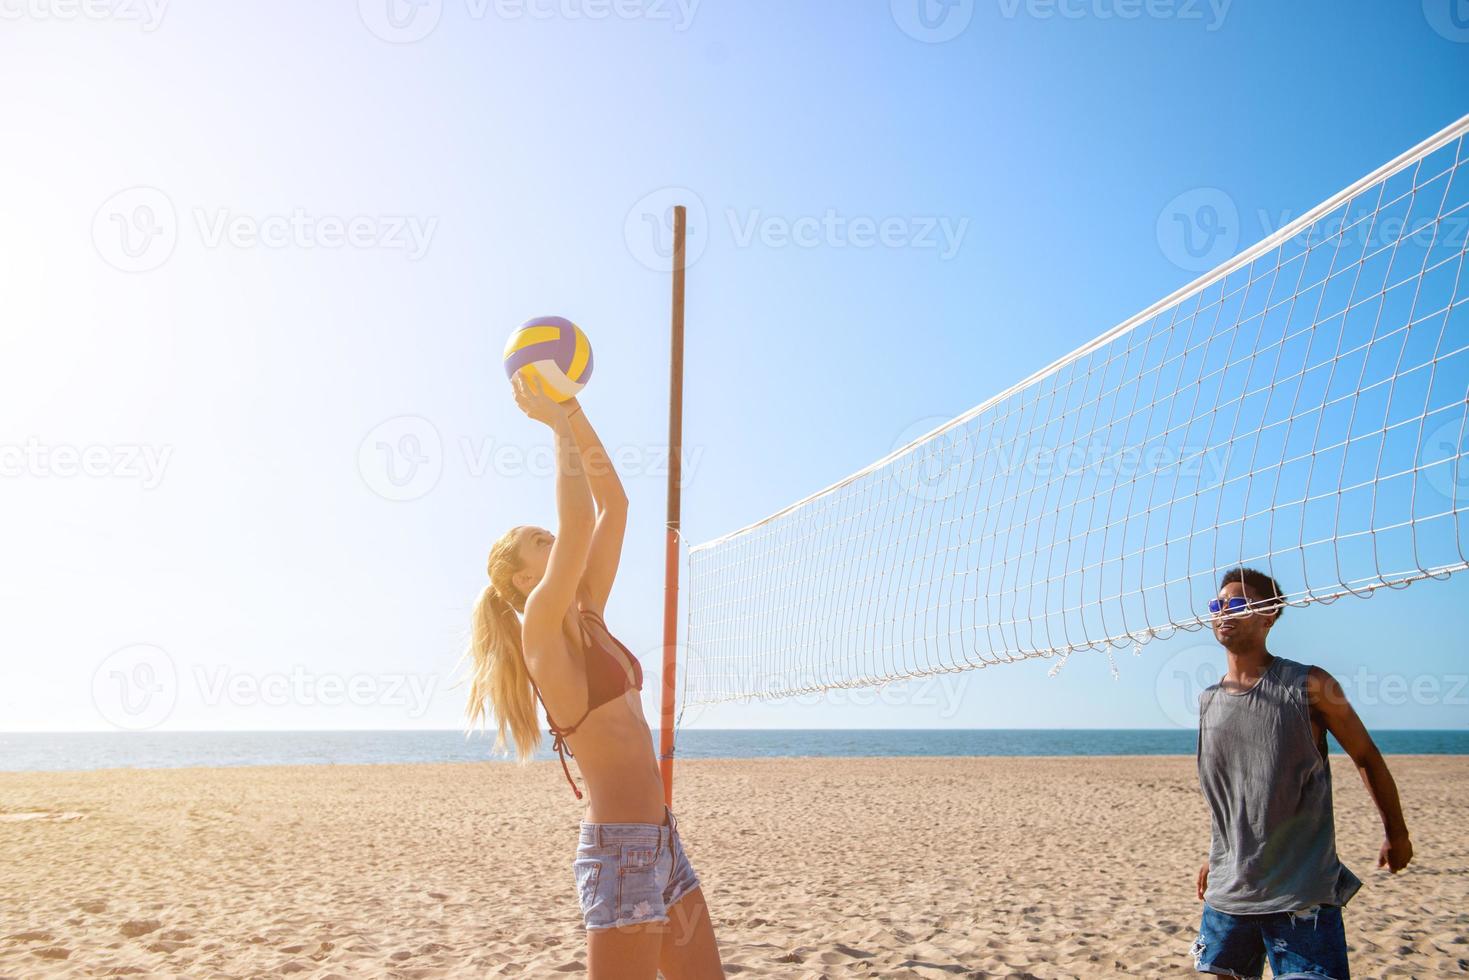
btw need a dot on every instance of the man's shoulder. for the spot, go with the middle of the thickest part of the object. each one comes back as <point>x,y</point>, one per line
<point>1293,668</point>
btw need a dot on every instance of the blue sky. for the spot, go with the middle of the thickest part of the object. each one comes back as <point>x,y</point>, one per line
<point>246,247</point>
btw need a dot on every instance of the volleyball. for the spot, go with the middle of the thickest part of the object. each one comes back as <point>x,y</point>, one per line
<point>554,351</point>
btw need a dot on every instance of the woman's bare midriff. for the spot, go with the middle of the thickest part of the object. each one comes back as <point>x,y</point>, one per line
<point>614,751</point>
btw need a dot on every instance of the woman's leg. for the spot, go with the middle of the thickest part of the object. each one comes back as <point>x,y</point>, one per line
<point>629,953</point>
<point>689,951</point>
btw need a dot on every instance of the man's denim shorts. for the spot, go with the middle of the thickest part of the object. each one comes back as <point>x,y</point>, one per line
<point>1300,945</point>
<point>630,873</point>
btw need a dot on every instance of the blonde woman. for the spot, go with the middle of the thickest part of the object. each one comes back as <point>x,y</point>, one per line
<point>539,634</point>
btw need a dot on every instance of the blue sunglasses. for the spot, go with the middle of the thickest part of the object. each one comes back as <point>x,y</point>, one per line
<point>1235,604</point>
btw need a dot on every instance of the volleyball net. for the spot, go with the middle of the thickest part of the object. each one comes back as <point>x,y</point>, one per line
<point>1300,409</point>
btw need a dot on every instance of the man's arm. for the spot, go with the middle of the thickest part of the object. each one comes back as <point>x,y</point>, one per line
<point>1330,704</point>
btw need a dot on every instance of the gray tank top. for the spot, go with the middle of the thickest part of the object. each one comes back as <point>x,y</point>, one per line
<point>1268,787</point>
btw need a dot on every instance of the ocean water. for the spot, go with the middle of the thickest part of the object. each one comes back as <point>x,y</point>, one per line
<point>151,750</point>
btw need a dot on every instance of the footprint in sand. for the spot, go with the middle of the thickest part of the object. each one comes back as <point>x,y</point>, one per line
<point>134,928</point>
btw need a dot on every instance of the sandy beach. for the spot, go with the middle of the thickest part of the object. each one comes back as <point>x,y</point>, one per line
<point>996,867</point>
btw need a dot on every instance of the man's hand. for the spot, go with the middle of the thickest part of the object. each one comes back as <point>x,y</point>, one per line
<point>1396,853</point>
<point>1204,878</point>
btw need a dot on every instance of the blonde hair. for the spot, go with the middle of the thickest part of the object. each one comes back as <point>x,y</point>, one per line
<point>499,682</point>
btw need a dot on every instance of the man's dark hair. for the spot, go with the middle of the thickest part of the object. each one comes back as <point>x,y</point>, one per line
<point>1262,585</point>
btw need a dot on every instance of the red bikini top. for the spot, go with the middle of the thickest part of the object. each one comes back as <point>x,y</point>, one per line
<point>607,680</point>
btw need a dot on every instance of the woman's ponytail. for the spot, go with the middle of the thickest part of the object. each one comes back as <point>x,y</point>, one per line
<point>499,682</point>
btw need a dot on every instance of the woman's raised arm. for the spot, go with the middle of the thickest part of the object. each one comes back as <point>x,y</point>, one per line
<point>611,502</point>
<point>547,603</point>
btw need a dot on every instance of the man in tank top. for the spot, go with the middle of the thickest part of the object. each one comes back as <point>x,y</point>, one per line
<point>1273,887</point>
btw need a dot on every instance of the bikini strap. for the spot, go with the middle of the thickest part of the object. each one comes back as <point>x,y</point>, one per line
<point>559,744</point>
<point>558,738</point>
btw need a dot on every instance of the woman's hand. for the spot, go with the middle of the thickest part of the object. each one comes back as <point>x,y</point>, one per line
<point>535,403</point>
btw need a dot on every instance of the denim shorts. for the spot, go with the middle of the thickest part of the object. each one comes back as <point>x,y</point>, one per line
<point>630,873</point>
<point>1307,945</point>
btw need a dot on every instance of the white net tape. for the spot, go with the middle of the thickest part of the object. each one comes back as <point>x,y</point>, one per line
<point>1301,409</point>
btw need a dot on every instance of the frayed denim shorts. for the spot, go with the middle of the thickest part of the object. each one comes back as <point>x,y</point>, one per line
<point>1306,945</point>
<point>630,873</point>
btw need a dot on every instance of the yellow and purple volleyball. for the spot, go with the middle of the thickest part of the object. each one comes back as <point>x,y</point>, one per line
<point>553,350</point>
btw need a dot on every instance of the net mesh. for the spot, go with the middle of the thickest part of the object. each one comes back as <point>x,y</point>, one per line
<point>1302,410</point>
